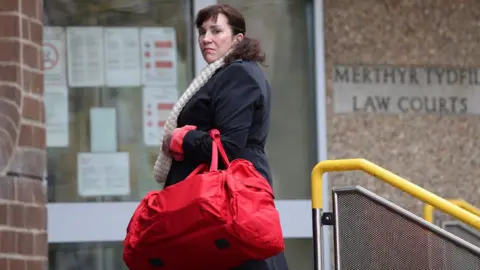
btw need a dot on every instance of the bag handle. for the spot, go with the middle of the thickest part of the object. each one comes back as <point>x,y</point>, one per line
<point>217,147</point>
<point>214,161</point>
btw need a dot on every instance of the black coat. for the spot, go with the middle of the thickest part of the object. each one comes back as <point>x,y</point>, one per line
<point>236,101</point>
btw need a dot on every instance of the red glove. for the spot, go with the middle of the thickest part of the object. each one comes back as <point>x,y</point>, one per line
<point>176,142</point>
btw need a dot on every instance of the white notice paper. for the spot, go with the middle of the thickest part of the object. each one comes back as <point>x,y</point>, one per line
<point>55,74</point>
<point>159,56</point>
<point>157,104</point>
<point>85,56</point>
<point>56,118</point>
<point>103,130</point>
<point>103,174</point>
<point>122,56</point>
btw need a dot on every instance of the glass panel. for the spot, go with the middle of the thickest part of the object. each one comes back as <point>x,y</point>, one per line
<point>299,253</point>
<point>291,144</point>
<point>91,256</point>
<point>285,40</point>
<point>62,161</point>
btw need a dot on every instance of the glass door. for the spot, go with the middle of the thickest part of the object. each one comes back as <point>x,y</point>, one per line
<point>97,124</point>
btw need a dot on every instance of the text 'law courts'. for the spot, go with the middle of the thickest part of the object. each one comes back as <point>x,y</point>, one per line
<point>400,90</point>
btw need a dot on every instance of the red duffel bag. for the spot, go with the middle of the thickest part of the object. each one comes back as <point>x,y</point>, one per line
<point>213,220</point>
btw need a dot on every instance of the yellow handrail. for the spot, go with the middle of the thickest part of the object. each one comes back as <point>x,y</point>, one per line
<point>390,178</point>
<point>428,209</point>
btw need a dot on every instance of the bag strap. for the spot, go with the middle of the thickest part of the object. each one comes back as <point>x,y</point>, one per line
<point>214,162</point>
<point>215,135</point>
<point>201,168</point>
<point>217,147</point>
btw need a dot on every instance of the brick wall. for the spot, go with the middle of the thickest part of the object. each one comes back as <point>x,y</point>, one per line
<point>23,238</point>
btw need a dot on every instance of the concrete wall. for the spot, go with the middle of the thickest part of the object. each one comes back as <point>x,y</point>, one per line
<point>23,237</point>
<point>439,153</point>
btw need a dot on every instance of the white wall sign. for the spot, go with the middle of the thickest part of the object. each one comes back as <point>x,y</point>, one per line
<point>157,104</point>
<point>404,90</point>
<point>85,56</point>
<point>159,56</point>
<point>54,57</point>
<point>56,118</point>
<point>103,174</point>
<point>122,56</point>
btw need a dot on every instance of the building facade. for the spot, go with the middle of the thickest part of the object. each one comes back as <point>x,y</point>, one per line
<point>390,81</point>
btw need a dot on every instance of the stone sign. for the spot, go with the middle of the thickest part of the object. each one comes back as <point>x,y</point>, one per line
<point>401,90</point>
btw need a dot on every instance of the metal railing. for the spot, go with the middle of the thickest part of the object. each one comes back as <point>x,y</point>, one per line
<point>429,210</point>
<point>457,228</point>
<point>375,234</point>
<point>386,176</point>
<point>463,231</point>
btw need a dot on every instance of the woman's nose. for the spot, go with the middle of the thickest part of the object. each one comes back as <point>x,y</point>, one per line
<point>207,38</point>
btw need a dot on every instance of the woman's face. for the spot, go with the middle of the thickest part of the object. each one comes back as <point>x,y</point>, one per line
<point>215,38</point>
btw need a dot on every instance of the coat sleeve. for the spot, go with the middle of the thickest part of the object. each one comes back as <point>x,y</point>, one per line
<point>233,104</point>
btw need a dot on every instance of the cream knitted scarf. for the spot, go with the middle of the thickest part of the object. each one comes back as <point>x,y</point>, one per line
<point>163,162</point>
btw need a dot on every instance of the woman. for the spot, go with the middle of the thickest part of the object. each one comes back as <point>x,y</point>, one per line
<point>232,95</point>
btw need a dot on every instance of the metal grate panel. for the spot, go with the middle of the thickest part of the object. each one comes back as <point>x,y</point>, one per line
<point>372,233</point>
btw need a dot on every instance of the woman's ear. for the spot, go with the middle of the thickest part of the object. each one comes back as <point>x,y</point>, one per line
<point>239,38</point>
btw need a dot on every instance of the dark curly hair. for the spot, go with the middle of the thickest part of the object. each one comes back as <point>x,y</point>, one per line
<point>248,48</point>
